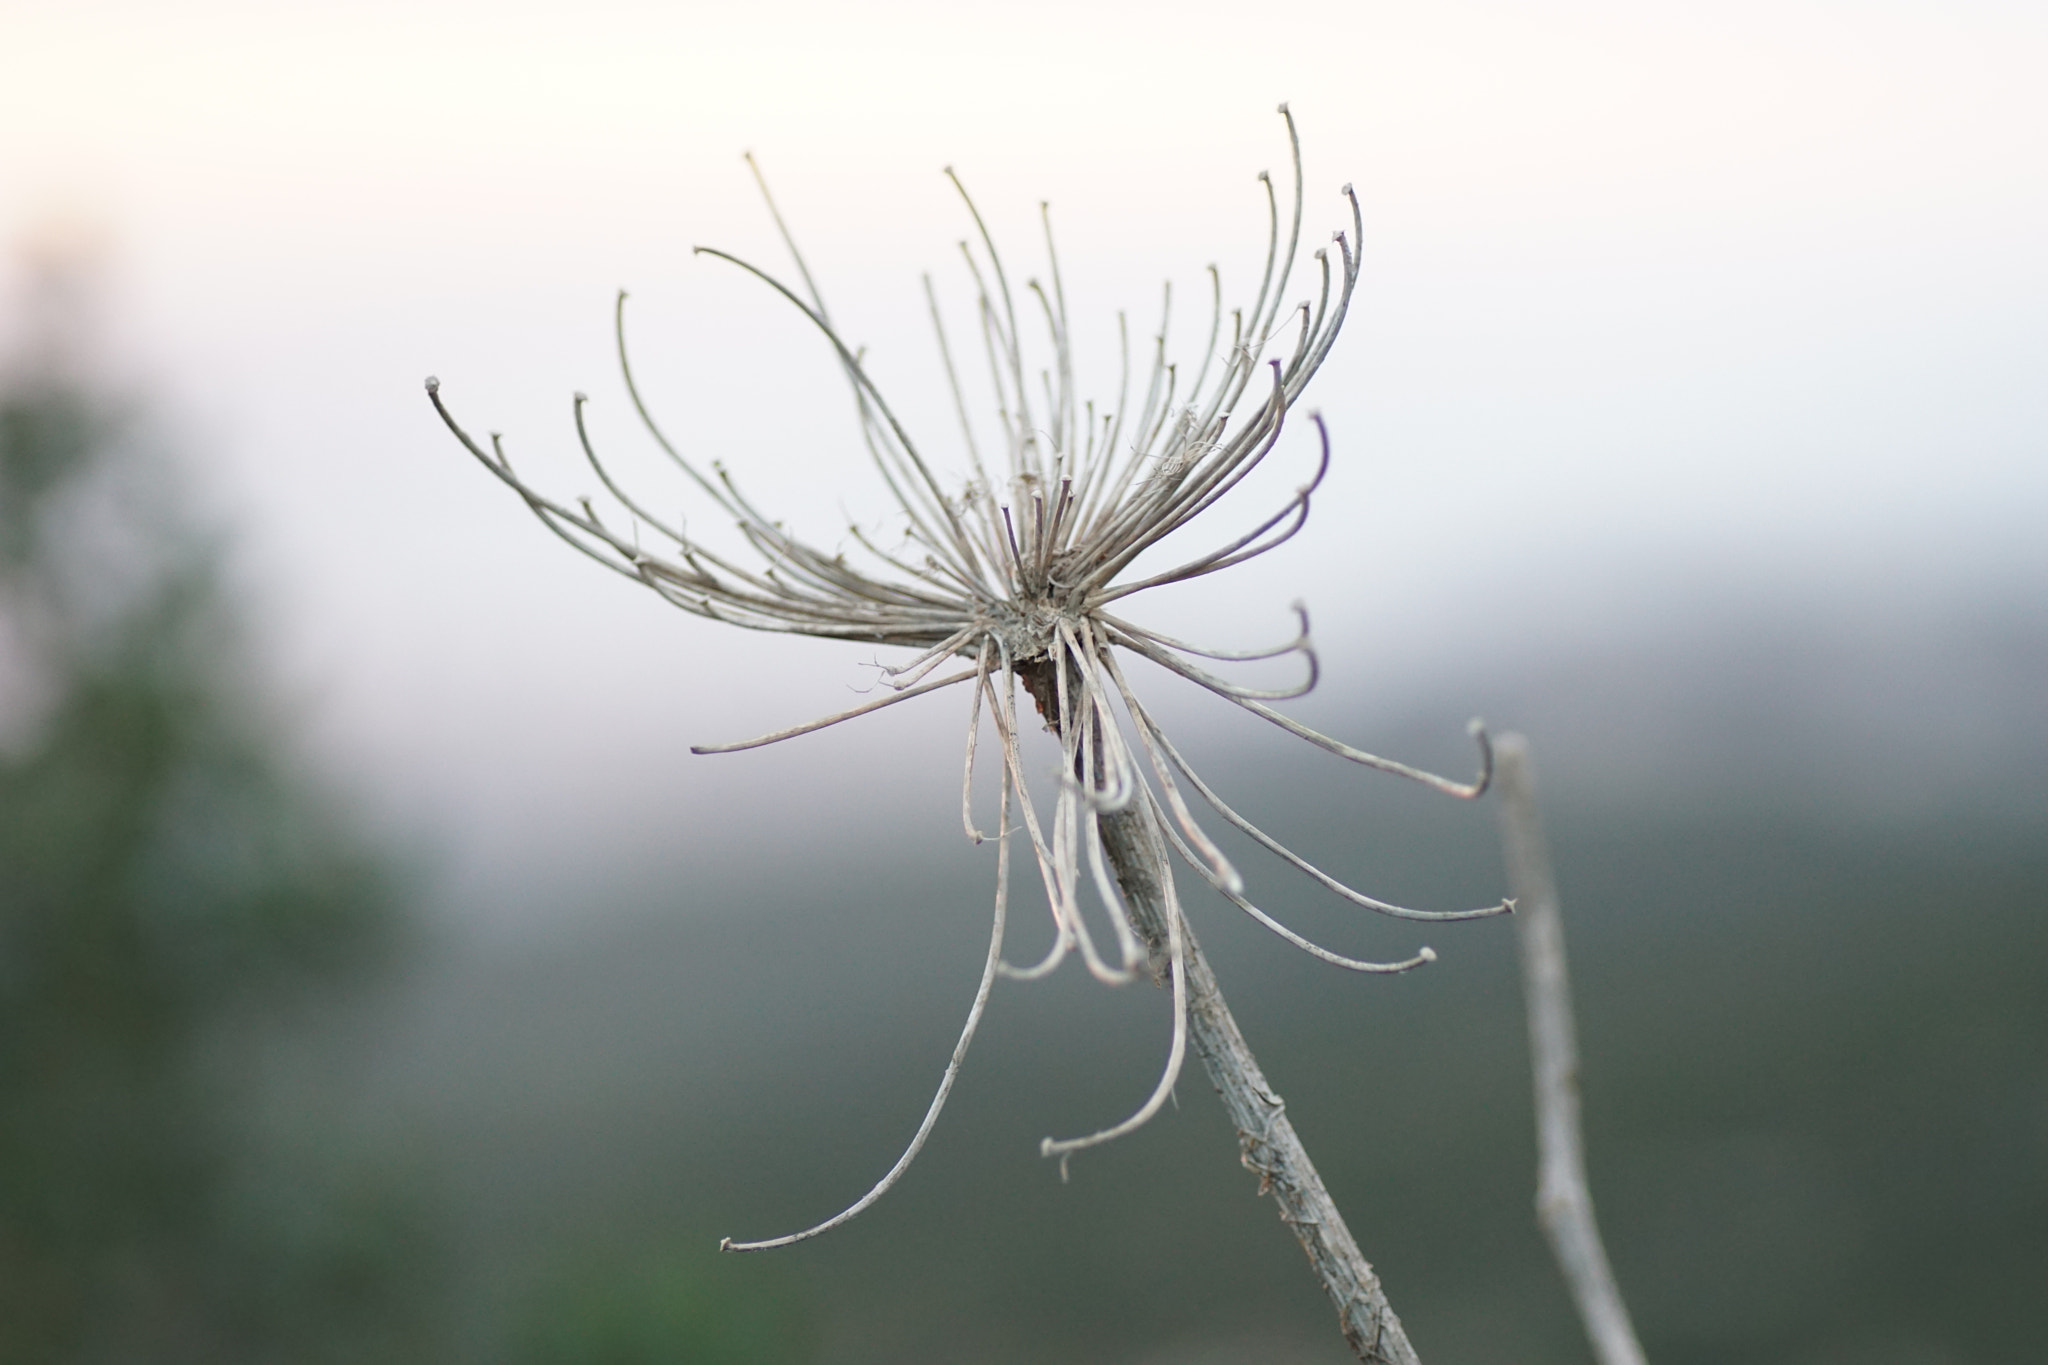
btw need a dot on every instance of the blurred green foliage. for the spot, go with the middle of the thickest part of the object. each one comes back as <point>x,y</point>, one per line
<point>166,879</point>
<point>1816,1084</point>
<point>665,1307</point>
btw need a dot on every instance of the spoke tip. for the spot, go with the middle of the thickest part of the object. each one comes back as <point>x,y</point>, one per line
<point>433,384</point>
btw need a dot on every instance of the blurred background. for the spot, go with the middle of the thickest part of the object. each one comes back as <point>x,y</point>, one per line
<point>380,977</point>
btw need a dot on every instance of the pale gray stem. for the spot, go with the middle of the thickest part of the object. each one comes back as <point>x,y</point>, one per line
<point>1564,1204</point>
<point>1267,1140</point>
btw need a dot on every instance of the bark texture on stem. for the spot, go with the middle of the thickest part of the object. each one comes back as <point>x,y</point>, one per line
<point>1564,1203</point>
<point>1137,853</point>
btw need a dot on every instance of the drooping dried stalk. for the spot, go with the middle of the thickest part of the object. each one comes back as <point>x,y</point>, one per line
<point>1264,1133</point>
<point>1564,1203</point>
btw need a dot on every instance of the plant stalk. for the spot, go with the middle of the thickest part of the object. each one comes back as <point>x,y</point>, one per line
<point>1269,1146</point>
<point>1564,1200</point>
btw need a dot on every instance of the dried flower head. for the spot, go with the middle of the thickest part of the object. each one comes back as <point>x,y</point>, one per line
<point>1018,572</point>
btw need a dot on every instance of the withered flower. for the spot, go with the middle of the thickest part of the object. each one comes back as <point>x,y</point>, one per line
<point>1019,572</point>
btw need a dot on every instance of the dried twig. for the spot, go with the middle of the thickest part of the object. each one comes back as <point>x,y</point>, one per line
<point>1270,1147</point>
<point>1564,1204</point>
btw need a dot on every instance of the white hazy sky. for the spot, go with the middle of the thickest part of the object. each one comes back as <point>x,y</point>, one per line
<point>1743,294</point>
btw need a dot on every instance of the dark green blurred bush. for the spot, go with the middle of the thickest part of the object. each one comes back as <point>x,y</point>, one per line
<point>662,1308</point>
<point>165,881</point>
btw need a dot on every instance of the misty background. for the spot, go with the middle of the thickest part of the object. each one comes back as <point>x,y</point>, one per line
<point>1689,420</point>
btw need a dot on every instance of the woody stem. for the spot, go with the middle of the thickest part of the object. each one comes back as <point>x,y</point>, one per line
<point>1269,1145</point>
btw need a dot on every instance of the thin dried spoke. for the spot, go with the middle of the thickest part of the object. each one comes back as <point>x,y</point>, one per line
<point>852,363</point>
<point>1463,790</point>
<point>1300,689</point>
<point>1274,846</point>
<point>1231,464</point>
<point>1235,552</point>
<point>1100,752</point>
<point>1105,885</point>
<point>1005,714</point>
<point>973,743</point>
<point>1176,1052</point>
<point>952,1072</point>
<point>1113,495</point>
<point>1064,431</point>
<point>647,417</point>
<point>1067,821</point>
<point>908,674</point>
<point>953,382</point>
<point>548,512</point>
<point>997,350</point>
<point>810,726</point>
<point>782,229</point>
<point>1309,946</point>
<point>1093,486</point>
<point>1214,855</point>
<point>1263,330</point>
<point>1300,642</point>
<point>1422,957</point>
<point>1315,328</point>
<point>578,403</point>
<point>995,261</point>
<point>1196,492</point>
<point>1215,330</point>
<point>1266,288</point>
<point>1097,732</point>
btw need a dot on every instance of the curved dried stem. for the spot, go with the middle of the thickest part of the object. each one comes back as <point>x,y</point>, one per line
<point>1176,1052</point>
<point>946,1079</point>
<point>1301,643</point>
<point>1476,728</point>
<point>809,727</point>
<point>1005,716</point>
<point>1226,874</point>
<point>1274,846</point>
<point>981,662</point>
<point>1309,946</point>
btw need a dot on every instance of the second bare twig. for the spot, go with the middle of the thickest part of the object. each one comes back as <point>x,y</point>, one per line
<point>1564,1203</point>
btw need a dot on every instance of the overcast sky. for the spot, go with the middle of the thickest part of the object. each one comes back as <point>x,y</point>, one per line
<point>1740,299</point>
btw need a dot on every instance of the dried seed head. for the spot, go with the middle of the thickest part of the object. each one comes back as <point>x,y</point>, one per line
<point>1015,569</point>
